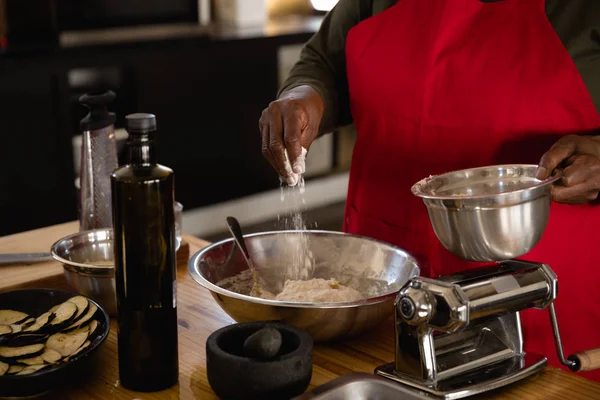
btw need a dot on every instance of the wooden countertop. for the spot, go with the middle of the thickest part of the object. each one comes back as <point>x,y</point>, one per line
<point>199,316</point>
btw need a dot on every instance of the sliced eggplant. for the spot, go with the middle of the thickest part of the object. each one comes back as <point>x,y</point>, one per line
<point>31,369</point>
<point>10,329</point>
<point>67,343</point>
<point>24,339</point>
<point>8,317</point>
<point>27,322</point>
<point>84,346</point>
<point>21,352</point>
<point>40,322</point>
<point>31,361</point>
<point>5,330</point>
<point>54,308</point>
<point>82,306</point>
<point>83,320</point>
<point>4,367</point>
<point>63,316</point>
<point>92,327</point>
<point>14,369</point>
<point>51,356</point>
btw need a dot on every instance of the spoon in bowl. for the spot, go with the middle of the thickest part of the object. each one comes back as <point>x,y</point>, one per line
<point>236,231</point>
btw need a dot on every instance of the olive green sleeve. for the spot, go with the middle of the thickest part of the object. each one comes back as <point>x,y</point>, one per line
<point>322,63</point>
<point>577,24</point>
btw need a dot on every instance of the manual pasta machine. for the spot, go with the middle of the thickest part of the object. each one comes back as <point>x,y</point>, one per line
<point>460,335</point>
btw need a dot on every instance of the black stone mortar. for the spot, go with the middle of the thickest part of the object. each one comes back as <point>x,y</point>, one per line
<point>233,375</point>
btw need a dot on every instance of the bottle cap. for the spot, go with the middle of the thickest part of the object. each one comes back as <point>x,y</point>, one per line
<point>99,117</point>
<point>140,123</point>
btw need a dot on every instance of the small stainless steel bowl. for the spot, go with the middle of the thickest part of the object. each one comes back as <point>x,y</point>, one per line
<point>375,268</point>
<point>489,213</point>
<point>87,258</point>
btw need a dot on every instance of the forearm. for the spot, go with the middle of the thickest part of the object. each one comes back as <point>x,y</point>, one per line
<point>304,74</point>
<point>322,63</point>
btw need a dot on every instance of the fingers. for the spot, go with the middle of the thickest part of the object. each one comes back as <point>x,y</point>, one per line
<point>287,129</point>
<point>276,135</point>
<point>580,182</point>
<point>578,194</point>
<point>559,152</point>
<point>271,128</point>
<point>292,126</point>
<point>263,125</point>
<point>580,168</point>
<point>276,144</point>
<point>563,149</point>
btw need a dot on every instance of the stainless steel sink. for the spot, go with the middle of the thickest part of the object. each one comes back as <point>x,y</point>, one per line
<point>362,386</point>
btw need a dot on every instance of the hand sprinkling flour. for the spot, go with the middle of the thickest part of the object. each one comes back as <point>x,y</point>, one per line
<point>295,172</point>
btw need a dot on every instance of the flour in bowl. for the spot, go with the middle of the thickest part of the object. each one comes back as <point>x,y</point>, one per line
<point>315,290</point>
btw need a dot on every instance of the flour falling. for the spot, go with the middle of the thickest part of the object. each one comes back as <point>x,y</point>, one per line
<point>297,249</point>
<point>298,246</point>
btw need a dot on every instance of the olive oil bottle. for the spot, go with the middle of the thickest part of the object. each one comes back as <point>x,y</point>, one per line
<point>145,263</point>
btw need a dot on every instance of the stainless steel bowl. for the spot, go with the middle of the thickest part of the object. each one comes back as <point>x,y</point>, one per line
<point>490,213</point>
<point>87,258</point>
<point>375,268</point>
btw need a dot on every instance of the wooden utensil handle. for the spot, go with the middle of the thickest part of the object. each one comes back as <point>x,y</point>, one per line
<point>586,360</point>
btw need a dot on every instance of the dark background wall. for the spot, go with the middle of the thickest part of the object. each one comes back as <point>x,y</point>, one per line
<point>207,89</point>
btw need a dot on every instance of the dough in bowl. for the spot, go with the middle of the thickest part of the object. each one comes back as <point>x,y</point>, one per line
<point>315,290</point>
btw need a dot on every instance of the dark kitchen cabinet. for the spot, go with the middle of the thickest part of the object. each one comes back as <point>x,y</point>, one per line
<point>207,109</point>
<point>36,184</point>
<point>207,94</point>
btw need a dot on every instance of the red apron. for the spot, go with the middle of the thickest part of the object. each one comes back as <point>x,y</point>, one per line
<point>440,85</point>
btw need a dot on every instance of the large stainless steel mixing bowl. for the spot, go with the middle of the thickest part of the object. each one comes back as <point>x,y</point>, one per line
<point>376,268</point>
<point>490,213</point>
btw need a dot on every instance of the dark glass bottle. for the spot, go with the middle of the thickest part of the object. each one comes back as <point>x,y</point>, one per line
<point>145,263</point>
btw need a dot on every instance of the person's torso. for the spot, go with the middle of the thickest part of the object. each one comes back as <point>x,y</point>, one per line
<point>439,85</point>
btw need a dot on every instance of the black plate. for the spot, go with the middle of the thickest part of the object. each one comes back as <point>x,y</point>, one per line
<point>35,302</point>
